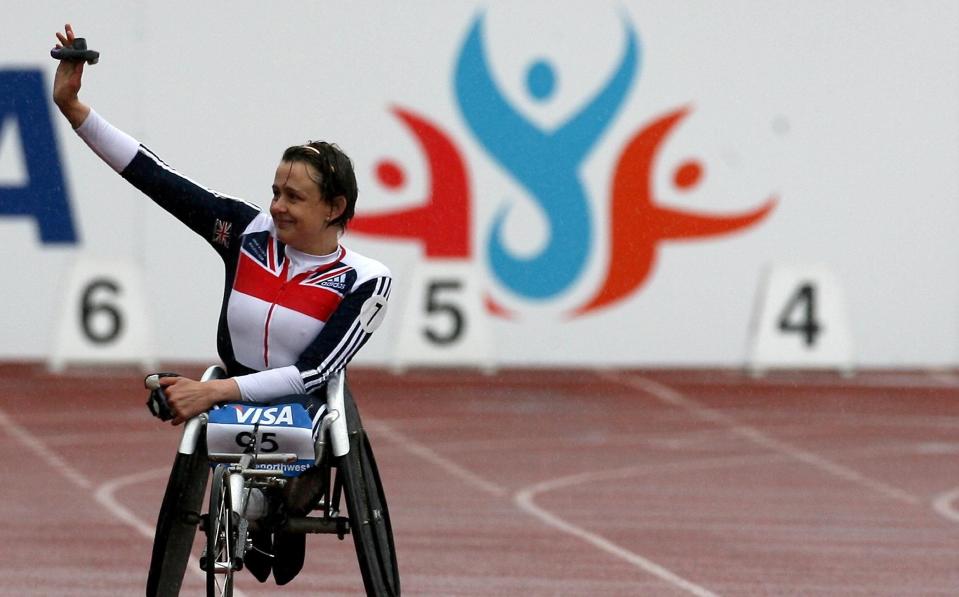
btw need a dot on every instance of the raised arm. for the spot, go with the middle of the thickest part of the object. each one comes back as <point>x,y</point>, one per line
<point>208,213</point>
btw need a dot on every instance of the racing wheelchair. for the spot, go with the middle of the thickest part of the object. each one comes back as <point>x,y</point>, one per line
<point>256,452</point>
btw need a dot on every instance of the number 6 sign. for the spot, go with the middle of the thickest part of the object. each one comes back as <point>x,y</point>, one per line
<point>103,317</point>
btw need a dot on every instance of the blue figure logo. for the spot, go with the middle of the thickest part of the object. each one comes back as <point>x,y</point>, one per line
<point>44,197</point>
<point>545,163</point>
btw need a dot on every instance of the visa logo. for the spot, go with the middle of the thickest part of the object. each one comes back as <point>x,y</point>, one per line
<point>273,415</point>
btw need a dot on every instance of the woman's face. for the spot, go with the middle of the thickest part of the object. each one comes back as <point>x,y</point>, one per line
<point>299,212</point>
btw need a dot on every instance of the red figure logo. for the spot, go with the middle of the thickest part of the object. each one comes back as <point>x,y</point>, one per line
<point>637,224</point>
<point>442,222</point>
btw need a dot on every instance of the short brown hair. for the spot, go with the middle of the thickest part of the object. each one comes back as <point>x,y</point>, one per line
<point>336,173</point>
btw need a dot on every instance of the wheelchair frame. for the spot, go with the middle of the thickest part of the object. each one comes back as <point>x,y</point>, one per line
<point>347,470</point>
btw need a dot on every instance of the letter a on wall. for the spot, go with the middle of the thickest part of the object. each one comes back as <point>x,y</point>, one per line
<point>42,193</point>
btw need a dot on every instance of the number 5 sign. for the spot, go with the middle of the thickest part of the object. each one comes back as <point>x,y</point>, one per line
<point>103,317</point>
<point>444,321</point>
<point>799,321</point>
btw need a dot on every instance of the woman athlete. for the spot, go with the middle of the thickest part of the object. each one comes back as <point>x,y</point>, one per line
<point>297,304</point>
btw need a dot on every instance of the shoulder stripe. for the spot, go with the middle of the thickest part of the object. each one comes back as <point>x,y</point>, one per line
<point>354,338</point>
<point>346,347</point>
<point>383,286</point>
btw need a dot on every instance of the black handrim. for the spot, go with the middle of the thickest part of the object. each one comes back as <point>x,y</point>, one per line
<point>369,518</point>
<point>383,529</point>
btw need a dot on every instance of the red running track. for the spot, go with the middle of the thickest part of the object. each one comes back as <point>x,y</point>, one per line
<point>536,483</point>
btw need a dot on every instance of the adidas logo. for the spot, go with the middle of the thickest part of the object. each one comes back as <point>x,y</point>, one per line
<point>336,282</point>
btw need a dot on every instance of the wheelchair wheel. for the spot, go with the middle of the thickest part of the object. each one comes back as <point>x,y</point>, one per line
<point>221,536</point>
<point>177,522</point>
<point>369,516</point>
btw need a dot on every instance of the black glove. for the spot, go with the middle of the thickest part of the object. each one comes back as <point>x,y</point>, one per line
<point>157,402</point>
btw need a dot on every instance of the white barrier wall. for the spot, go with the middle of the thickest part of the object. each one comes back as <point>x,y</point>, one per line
<point>617,175</point>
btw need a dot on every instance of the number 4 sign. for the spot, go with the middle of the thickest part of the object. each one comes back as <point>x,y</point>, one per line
<point>103,317</point>
<point>799,321</point>
<point>444,322</point>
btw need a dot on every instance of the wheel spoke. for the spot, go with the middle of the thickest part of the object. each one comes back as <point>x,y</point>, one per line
<point>221,536</point>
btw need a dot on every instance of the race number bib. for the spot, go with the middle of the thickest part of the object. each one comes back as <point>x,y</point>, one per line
<point>277,429</point>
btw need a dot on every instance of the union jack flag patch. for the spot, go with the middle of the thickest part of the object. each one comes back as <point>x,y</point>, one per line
<point>221,233</point>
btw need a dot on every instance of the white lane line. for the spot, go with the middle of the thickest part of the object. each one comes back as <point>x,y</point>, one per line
<point>671,396</point>
<point>943,504</point>
<point>43,451</point>
<point>889,378</point>
<point>945,377</point>
<point>428,454</point>
<point>63,440</point>
<point>524,501</point>
<point>103,494</point>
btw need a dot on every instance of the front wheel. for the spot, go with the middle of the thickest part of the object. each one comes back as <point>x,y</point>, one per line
<point>369,518</point>
<point>221,536</point>
<point>177,522</point>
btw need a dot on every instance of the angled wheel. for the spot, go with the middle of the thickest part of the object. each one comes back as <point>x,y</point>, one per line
<point>369,515</point>
<point>221,536</point>
<point>177,522</point>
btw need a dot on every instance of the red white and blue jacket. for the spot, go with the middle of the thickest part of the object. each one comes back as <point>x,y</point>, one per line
<point>289,320</point>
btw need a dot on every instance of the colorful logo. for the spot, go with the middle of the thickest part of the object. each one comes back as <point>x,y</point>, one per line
<point>288,415</point>
<point>546,164</point>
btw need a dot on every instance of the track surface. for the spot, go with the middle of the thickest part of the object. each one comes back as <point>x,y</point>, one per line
<point>536,483</point>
